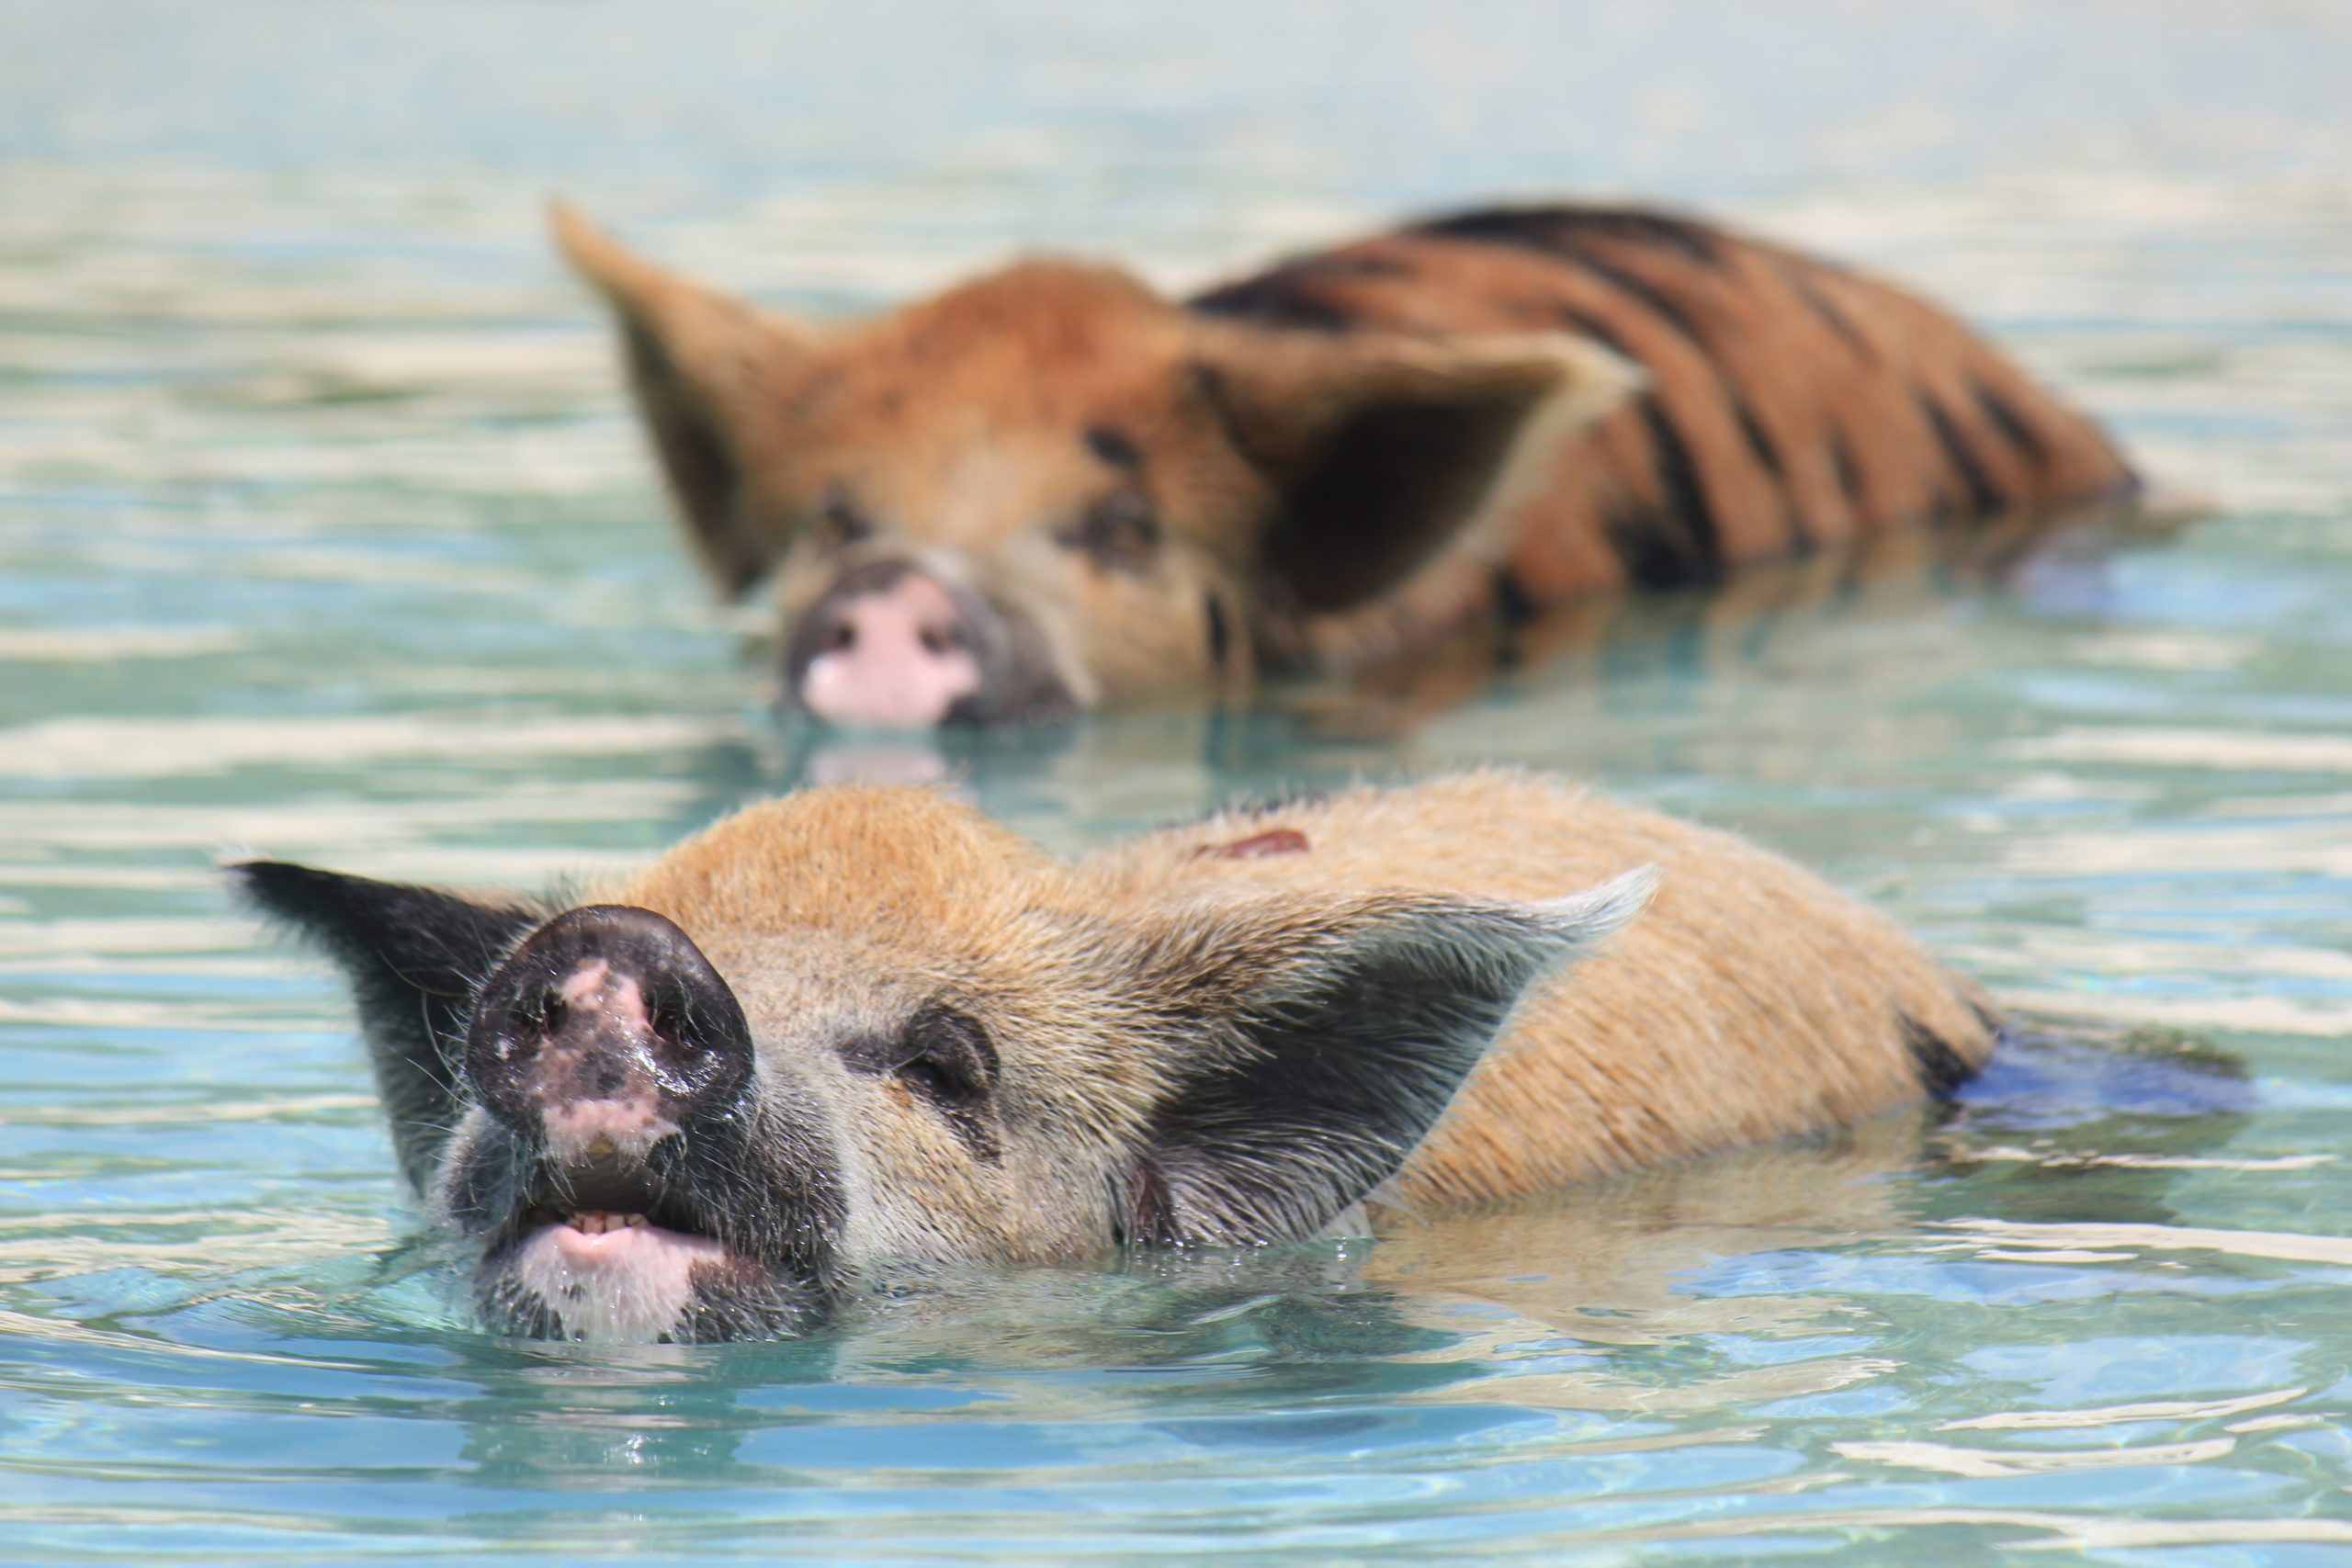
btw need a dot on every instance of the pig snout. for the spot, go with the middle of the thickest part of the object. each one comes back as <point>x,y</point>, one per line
<point>604,1032</point>
<point>891,646</point>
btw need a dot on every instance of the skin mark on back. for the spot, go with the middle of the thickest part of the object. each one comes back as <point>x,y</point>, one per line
<point>1258,846</point>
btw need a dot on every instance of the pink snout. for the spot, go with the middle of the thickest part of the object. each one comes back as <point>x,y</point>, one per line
<point>894,649</point>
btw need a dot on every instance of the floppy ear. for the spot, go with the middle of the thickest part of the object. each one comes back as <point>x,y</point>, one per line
<point>1335,1037</point>
<point>703,365</point>
<point>1386,454</point>
<point>415,957</point>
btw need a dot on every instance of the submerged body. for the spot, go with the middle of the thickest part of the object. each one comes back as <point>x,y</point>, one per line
<point>855,1026</point>
<point>1051,488</point>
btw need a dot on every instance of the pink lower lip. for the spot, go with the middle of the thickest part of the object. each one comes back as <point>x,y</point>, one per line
<point>625,1283</point>
<point>622,1242</point>
<point>574,1242</point>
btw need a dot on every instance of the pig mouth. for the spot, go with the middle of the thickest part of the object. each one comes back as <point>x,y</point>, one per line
<point>620,1255</point>
<point>605,1255</point>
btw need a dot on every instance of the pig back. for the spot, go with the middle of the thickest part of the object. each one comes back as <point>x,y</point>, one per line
<point>1750,1001</point>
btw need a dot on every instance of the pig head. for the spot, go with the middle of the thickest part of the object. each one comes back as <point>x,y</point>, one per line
<point>856,1026</point>
<point>1050,487</point>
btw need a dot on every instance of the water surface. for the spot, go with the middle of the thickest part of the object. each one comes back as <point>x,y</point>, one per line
<point>324,530</point>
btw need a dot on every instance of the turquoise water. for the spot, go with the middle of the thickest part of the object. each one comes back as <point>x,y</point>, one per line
<point>324,530</point>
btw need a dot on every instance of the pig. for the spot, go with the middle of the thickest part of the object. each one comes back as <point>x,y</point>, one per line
<point>859,1028</point>
<point>1052,487</point>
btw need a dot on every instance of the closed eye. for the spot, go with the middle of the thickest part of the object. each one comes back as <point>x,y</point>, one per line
<point>945,1059</point>
<point>941,1082</point>
<point>1119,532</point>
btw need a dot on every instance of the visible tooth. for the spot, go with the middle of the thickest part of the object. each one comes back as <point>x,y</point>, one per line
<point>636,1220</point>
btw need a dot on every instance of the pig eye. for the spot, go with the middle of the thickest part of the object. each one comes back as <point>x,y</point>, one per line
<point>945,1059</point>
<point>840,522</point>
<point>1119,532</point>
<point>952,1063</point>
<point>942,1054</point>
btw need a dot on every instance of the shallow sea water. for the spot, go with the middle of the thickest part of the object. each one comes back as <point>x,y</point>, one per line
<point>324,530</point>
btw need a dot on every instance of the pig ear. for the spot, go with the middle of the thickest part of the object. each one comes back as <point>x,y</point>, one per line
<point>1337,1038</point>
<point>1391,460</point>
<point>415,957</point>
<point>704,366</point>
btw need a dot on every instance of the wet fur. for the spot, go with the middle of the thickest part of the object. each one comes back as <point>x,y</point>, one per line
<point>1233,1031</point>
<point>1750,1000</point>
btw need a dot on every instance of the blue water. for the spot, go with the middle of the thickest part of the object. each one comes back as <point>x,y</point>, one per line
<point>324,530</point>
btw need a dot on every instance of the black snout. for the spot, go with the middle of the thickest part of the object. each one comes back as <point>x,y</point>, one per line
<point>606,1031</point>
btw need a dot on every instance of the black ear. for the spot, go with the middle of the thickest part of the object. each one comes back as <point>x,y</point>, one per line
<point>414,956</point>
<point>1327,1065</point>
<point>1382,454</point>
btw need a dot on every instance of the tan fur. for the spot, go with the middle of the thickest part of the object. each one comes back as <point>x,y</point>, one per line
<point>1750,1001</point>
<point>1788,409</point>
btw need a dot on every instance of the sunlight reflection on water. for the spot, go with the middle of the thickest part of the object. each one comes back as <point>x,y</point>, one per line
<point>325,531</point>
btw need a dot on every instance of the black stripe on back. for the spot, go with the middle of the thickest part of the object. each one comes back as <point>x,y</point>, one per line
<point>1555,229</point>
<point>1598,331</point>
<point>1850,472</point>
<point>1666,306</point>
<point>1295,294</point>
<point>2011,424</point>
<point>1759,440</point>
<point>1650,559</point>
<point>1823,305</point>
<point>1653,559</point>
<point>1983,495</point>
<point>1686,499</point>
<point>1286,297</point>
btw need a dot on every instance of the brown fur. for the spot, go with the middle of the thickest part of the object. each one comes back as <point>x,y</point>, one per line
<point>857,1027</point>
<point>1342,452</point>
<point>1750,1001</point>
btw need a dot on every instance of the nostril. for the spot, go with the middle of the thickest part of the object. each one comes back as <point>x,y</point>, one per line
<point>940,642</point>
<point>672,1030</point>
<point>838,637</point>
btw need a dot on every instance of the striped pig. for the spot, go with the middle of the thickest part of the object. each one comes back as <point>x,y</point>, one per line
<point>1051,488</point>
